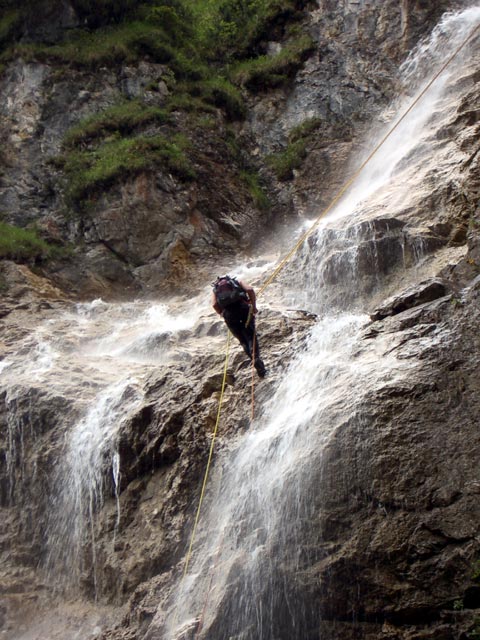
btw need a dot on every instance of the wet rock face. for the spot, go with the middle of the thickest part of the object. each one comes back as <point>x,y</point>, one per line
<point>401,506</point>
<point>392,530</point>
<point>141,527</point>
<point>147,232</point>
<point>150,231</point>
<point>420,294</point>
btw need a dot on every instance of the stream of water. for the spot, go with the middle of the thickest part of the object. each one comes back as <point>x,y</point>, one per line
<point>255,542</point>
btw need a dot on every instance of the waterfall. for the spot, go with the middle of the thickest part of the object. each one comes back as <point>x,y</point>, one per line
<point>261,533</point>
<point>85,373</point>
<point>92,447</point>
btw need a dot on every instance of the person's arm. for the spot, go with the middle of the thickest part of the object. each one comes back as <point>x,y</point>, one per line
<point>215,305</point>
<point>251,295</point>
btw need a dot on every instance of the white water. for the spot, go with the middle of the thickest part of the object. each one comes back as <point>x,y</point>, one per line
<point>268,496</point>
<point>92,361</point>
<point>81,483</point>
<point>264,502</point>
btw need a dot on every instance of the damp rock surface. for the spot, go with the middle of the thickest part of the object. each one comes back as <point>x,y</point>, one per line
<point>380,539</point>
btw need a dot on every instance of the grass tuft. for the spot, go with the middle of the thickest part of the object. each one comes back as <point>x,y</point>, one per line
<point>265,72</point>
<point>89,171</point>
<point>23,244</point>
<point>251,179</point>
<point>284,162</point>
<point>122,118</point>
<point>220,93</point>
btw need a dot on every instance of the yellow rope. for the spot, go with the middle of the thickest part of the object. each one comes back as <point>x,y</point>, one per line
<point>209,461</point>
<point>292,252</point>
<point>349,182</point>
<point>252,411</point>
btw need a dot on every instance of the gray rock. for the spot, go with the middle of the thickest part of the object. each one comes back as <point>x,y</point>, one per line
<point>412,297</point>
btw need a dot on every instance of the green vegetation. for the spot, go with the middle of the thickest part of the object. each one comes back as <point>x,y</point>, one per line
<point>110,46</point>
<point>304,130</point>
<point>89,171</point>
<point>475,633</point>
<point>23,244</point>
<point>213,51</point>
<point>188,35</point>
<point>260,198</point>
<point>268,71</point>
<point>9,25</point>
<point>122,118</point>
<point>231,29</point>
<point>221,93</point>
<point>284,162</point>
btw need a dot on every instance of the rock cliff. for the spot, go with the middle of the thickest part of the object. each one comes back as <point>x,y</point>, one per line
<point>388,544</point>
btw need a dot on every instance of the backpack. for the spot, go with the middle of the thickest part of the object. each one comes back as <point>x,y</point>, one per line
<point>228,291</point>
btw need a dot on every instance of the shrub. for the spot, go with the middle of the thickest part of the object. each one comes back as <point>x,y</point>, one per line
<point>23,244</point>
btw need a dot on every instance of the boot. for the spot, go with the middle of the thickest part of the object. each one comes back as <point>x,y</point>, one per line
<point>260,367</point>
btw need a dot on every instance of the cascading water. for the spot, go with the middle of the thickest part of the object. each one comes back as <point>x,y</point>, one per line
<point>80,484</point>
<point>93,361</point>
<point>258,539</point>
<point>374,240</point>
<point>254,549</point>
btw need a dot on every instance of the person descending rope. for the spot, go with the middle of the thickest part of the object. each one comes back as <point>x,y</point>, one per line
<point>235,301</point>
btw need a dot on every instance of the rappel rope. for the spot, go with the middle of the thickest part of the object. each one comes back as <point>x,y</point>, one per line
<point>286,259</point>
<point>209,462</point>
<point>349,182</point>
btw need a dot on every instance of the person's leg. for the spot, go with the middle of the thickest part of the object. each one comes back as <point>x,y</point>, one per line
<point>237,327</point>
<point>255,348</point>
<point>236,320</point>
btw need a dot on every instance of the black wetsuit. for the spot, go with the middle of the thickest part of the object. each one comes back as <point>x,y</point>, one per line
<point>236,316</point>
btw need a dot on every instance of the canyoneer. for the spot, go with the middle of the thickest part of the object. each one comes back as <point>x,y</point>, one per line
<point>235,301</point>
